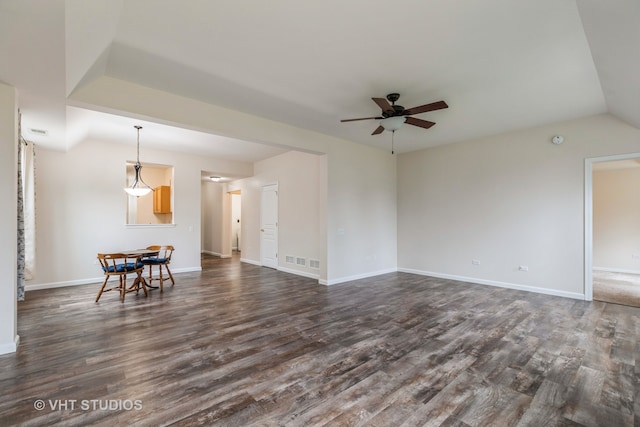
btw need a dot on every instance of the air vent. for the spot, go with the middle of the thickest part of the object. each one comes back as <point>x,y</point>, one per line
<point>314,263</point>
<point>289,259</point>
<point>39,131</point>
<point>301,261</point>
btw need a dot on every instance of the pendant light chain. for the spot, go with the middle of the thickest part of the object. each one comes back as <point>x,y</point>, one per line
<point>138,150</point>
<point>392,141</point>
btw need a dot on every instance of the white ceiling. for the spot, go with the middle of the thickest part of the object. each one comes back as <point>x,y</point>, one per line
<point>116,129</point>
<point>501,65</point>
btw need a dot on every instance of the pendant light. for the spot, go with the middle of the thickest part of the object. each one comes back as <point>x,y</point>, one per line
<point>136,189</point>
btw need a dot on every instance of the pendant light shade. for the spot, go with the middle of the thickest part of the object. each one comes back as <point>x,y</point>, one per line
<point>138,187</point>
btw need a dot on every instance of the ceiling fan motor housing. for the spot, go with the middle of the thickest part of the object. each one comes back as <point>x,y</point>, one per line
<point>393,97</point>
<point>397,109</point>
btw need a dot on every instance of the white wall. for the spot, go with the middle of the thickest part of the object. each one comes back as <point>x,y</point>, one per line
<point>507,200</point>
<point>299,193</point>
<point>80,209</point>
<point>212,194</point>
<point>362,215</point>
<point>8,218</point>
<point>359,228</point>
<point>616,220</point>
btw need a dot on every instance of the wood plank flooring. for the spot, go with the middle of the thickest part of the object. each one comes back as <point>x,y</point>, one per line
<point>241,345</point>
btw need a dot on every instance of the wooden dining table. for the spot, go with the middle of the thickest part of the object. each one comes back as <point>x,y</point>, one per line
<point>141,253</point>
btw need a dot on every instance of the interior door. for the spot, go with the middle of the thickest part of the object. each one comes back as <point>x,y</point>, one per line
<point>269,226</point>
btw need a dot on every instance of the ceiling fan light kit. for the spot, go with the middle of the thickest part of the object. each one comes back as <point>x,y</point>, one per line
<point>392,123</point>
<point>393,116</point>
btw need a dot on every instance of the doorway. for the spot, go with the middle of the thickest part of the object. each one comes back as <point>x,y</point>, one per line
<point>612,229</point>
<point>236,214</point>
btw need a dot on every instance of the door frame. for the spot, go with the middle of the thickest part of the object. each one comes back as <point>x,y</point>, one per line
<point>277,230</point>
<point>588,216</point>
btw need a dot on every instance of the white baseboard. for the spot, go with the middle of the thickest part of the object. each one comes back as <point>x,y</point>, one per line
<point>51,285</point>
<point>216,254</point>
<point>535,289</point>
<point>185,270</point>
<point>299,273</point>
<point>356,277</point>
<point>616,270</point>
<point>283,269</point>
<point>10,347</point>
<point>92,280</point>
<point>527,288</point>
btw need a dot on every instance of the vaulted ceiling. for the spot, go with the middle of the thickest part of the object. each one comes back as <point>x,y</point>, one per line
<point>501,65</point>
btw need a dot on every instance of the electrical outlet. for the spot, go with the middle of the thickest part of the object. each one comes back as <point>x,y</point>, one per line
<point>475,261</point>
<point>523,268</point>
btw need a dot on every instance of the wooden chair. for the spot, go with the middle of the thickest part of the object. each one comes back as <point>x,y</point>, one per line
<point>120,265</point>
<point>161,260</point>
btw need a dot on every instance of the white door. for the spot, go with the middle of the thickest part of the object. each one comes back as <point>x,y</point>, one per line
<point>269,226</point>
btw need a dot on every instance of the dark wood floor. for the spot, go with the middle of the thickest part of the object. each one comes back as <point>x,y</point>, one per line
<point>240,345</point>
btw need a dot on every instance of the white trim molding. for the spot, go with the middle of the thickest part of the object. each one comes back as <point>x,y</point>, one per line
<point>298,273</point>
<point>91,280</point>
<point>477,281</point>
<point>250,261</point>
<point>588,217</point>
<point>216,254</point>
<point>616,270</point>
<point>10,347</point>
<point>51,285</point>
<point>356,277</point>
<point>150,226</point>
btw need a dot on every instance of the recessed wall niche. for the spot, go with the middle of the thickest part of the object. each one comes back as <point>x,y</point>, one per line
<point>157,206</point>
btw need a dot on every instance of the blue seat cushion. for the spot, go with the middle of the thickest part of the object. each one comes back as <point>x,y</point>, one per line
<point>154,260</point>
<point>121,268</point>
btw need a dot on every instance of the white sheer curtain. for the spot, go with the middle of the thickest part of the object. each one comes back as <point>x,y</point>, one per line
<point>26,215</point>
<point>29,198</point>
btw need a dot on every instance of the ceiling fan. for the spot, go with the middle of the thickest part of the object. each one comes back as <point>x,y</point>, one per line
<point>393,116</point>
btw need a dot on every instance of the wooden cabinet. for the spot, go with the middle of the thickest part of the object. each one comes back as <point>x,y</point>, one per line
<point>162,200</point>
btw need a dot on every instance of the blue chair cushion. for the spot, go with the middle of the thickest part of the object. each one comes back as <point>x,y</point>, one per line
<point>154,260</point>
<point>121,268</point>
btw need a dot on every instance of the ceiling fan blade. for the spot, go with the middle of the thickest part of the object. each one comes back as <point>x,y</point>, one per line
<point>419,122</point>
<point>364,118</point>
<point>424,108</point>
<point>383,104</point>
<point>378,130</point>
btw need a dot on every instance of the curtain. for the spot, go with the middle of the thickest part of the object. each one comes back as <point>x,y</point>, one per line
<point>29,188</point>
<point>21,262</point>
<point>26,214</point>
